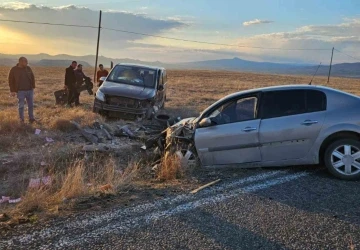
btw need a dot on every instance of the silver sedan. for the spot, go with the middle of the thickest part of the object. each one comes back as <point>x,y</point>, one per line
<point>281,126</point>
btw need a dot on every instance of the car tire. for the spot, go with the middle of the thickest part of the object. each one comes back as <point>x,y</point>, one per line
<point>340,158</point>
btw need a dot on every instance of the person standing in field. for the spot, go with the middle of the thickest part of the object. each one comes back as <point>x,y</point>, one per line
<point>80,77</point>
<point>70,83</point>
<point>101,72</point>
<point>22,84</point>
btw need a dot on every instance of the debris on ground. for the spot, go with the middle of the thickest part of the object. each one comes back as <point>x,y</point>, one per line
<point>90,137</point>
<point>108,135</point>
<point>49,140</point>
<point>37,131</point>
<point>205,186</point>
<point>37,182</point>
<point>125,131</point>
<point>4,217</point>
<point>102,147</point>
<point>5,199</point>
<point>15,200</point>
<point>106,187</point>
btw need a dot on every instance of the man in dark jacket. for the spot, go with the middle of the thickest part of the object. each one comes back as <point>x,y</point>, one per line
<point>22,84</point>
<point>80,77</point>
<point>70,83</point>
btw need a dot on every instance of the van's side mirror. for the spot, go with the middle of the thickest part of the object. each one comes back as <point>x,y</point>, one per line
<point>205,122</point>
<point>161,87</point>
<point>103,78</point>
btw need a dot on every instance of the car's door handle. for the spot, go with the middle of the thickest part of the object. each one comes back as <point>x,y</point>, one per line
<point>309,122</point>
<point>248,129</point>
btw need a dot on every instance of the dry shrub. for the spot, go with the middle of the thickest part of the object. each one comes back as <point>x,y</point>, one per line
<point>62,125</point>
<point>170,168</point>
<point>81,178</point>
<point>131,173</point>
<point>73,183</point>
<point>10,123</point>
<point>36,199</point>
<point>80,115</point>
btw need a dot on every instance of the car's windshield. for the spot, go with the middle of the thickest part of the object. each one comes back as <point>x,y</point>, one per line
<point>133,75</point>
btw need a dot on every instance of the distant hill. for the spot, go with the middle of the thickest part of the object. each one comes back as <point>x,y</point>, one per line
<point>341,70</point>
<point>58,63</point>
<point>236,64</point>
<point>7,62</point>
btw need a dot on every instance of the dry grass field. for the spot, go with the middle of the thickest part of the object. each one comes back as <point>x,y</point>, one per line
<point>189,92</point>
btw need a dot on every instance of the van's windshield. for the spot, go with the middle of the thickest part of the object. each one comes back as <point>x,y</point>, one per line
<point>133,75</point>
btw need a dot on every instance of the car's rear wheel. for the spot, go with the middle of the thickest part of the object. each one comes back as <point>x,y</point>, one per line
<point>342,159</point>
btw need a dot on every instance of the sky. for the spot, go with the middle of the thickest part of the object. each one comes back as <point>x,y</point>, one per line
<point>296,31</point>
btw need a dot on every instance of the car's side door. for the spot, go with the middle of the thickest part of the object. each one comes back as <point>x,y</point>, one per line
<point>291,122</point>
<point>232,137</point>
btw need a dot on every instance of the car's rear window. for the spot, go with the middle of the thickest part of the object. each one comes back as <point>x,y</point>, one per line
<point>291,102</point>
<point>315,101</point>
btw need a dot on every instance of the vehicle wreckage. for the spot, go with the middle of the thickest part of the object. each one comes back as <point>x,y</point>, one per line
<point>132,91</point>
<point>177,139</point>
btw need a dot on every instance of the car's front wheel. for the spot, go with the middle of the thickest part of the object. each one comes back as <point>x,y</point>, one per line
<point>342,159</point>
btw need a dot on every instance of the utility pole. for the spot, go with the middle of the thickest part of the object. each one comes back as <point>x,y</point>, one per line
<point>97,47</point>
<point>332,54</point>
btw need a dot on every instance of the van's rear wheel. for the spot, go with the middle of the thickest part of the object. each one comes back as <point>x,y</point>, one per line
<point>342,159</point>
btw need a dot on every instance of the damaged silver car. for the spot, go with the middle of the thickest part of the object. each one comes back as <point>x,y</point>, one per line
<point>275,126</point>
<point>131,89</point>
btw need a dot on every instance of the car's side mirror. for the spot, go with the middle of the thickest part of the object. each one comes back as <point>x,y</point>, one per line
<point>205,122</point>
<point>103,78</point>
<point>161,87</point>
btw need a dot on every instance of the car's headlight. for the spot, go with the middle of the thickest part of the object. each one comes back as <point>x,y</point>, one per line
<point>100,95</point>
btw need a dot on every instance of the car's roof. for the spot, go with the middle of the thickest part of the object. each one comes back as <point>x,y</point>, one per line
<point>140,65</point>
<point>281,87</point>
<point>288,87</point>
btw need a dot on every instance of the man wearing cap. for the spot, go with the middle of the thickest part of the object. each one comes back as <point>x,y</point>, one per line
<point>101,72</point>
<point>22,84</point>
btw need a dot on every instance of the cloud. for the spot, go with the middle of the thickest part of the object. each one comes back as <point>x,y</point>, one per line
<point>343,36</point>
<point>26,38</point>
<point>256,21</point>
<point>15,5</point>
<point>83,39</point>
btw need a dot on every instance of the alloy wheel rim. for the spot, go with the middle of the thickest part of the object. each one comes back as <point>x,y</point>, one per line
<point>345,159</point>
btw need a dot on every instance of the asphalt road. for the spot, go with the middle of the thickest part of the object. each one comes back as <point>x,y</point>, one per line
<point>291,208</point>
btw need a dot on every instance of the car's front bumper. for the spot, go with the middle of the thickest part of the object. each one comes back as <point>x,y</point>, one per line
<point>102,106</point>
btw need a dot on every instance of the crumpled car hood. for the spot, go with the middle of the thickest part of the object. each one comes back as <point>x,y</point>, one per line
<point>184,122</point>
<point>126,90</point>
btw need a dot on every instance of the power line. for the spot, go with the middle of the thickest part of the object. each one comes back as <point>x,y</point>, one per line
<point>347,55</point>
<point>163,37</point>
<point>53,24</point>
<point>210,43</point>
